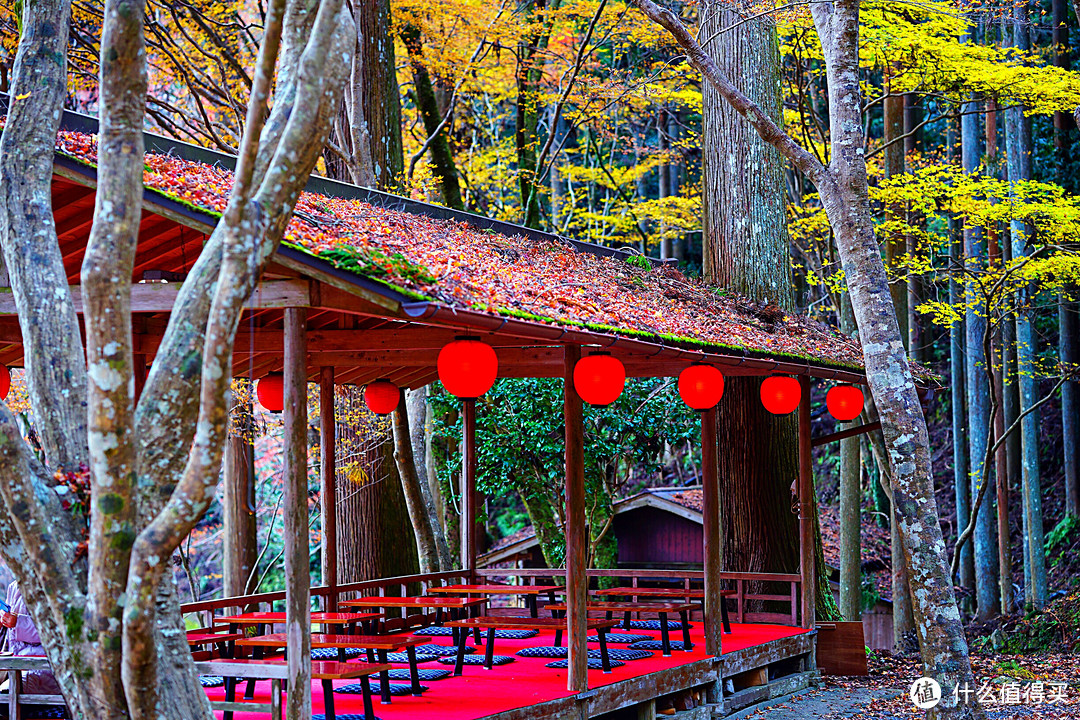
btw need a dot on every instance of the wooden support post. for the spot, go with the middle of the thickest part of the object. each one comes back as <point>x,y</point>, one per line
<point>468,487</point>
<point>295,512</point>
<point>806,496</point>
<point>328,483</point>
<point>710,511</point>
<point>241,544</point>
<point>577,586</point>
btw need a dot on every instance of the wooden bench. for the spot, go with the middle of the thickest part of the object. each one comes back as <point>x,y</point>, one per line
<point>15,666</point>
<point>251,670</point>
<point>214,637</point>
<point>629,608</point>
<point>371,643</point>
<point>684,594</point>
<point>324,671</point>
<point>491,624</point>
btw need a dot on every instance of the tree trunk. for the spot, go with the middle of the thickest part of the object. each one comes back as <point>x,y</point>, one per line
<point>664,178</point>
<point>1068,312</point>
<point>978,378</point>
<point>368,128</point>
<point>418,510</point>
<point>528,74</point>
<point>238,505</point>
<point>420,433</point>
<point>745,245</point>
<point>427,104</point>
<point>850,505</point>
<point>895,244</point>
<point>918,345</point>
<point>375,537</point>
<point>1018,149</point>
<point>1069,348</point>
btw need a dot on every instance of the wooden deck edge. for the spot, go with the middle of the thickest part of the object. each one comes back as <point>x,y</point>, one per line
<point>625,693</point>
<point>793,657</point>
<point>745,703</point>
<point>757,656</point>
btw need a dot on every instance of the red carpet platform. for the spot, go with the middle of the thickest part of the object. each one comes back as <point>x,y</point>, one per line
<point>479,692</point>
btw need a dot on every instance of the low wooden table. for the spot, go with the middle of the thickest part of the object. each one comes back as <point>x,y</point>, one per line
<point>511,623</point>
<point>372,643</point>
<point>326,671</point>
<point>662,610</point>
<point>262,619</point>
<point>439,604</point>
<point>669,594</point>
<point>528,591</point>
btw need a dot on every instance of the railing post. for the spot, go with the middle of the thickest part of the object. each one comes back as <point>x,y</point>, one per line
<point>710,512</point>
<point>328,477</point>
<point>576,540</point>
<point>295,512</point>
<point>806,497</point>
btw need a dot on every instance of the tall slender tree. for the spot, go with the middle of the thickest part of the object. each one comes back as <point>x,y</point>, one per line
<point>844,195</point>
<point>1018,149</point>
<point>977,378</point>
<point>745,246</point>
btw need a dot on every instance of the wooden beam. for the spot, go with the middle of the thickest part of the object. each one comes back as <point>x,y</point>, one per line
<point>328,478</point>
<point>807,569</point>
<point>850,432</point>
<point>577,581</point>
<point>160,297</point>
<point>710,517</point>
<point>468,486</point>
<point>295,512</point>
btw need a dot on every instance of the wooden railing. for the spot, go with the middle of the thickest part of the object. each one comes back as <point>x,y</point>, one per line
<point>742,581</point>
<point>328,596</point>
<point>749,604</point>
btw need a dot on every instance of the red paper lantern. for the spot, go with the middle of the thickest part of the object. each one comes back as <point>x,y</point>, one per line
<point>845,402</point>
<point>780,394</point>
<point>701,386</point>
<point>270,389</point>
<point>381,397</point>
<point>599,378</point>
<point>467,367</point>
<point>5,381</point>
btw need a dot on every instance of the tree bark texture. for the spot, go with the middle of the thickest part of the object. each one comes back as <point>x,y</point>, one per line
<point>381,104</point>
<point>52,342</point>
<point>744,225</point>
<point>107,264</point>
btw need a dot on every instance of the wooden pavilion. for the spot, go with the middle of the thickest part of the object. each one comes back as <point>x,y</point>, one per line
<point>323,316</point>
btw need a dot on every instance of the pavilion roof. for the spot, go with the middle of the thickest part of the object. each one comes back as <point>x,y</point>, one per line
<point>425,254</point>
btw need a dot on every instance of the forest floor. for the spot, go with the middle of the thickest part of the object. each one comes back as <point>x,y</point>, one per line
<point>1009,686</point>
